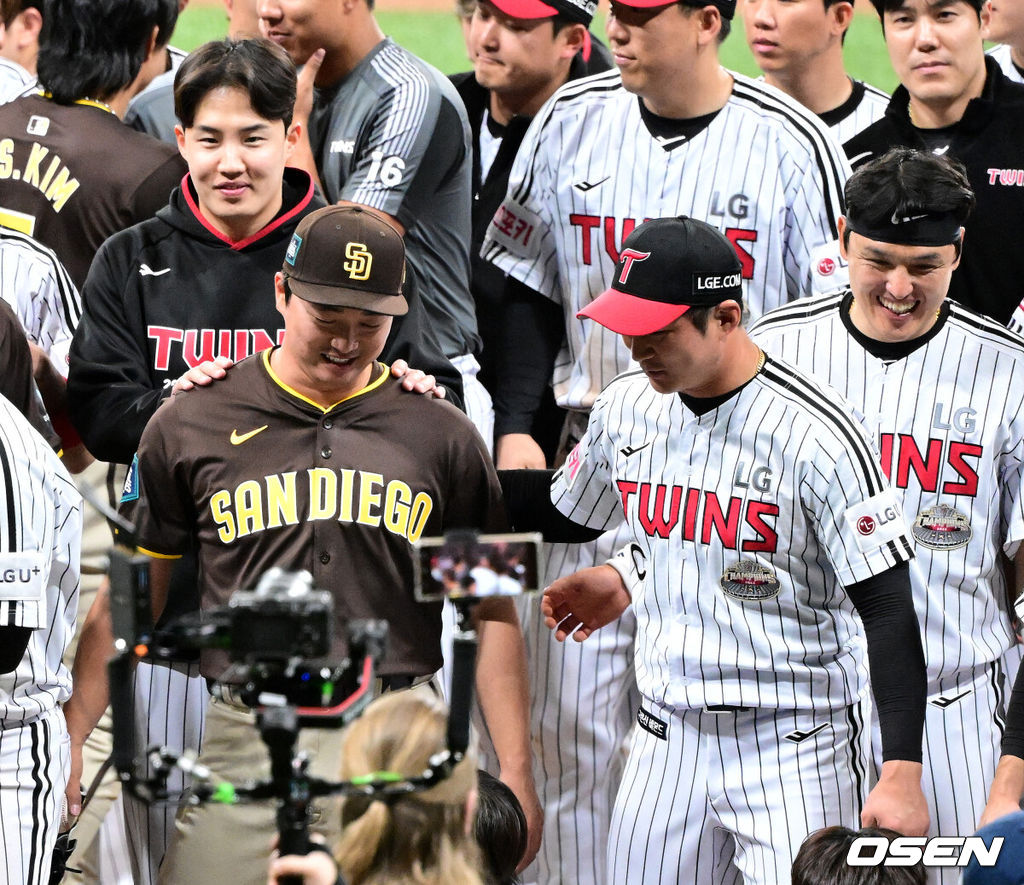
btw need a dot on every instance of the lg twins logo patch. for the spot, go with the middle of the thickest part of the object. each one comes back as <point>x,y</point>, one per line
<point>627,258</point>
<point>826,267</point>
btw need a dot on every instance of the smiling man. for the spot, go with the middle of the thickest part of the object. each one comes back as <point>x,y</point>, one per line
<point>955,102</point>
<point>315,425</point>
<point>798,44</point>
<point>943,390</point>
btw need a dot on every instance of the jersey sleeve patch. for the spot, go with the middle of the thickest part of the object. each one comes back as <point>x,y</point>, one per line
<point>572,466</point>
<point>876,521</point>
<point>23,578</point>
<point>517,228</point>
<point>130,492</point>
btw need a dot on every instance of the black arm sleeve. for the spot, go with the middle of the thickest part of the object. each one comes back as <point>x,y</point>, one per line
<point>533,330</point>
<point>895,658</point>
<point>527,496</point>
<point>1013,736</point>
<point>13,645</point>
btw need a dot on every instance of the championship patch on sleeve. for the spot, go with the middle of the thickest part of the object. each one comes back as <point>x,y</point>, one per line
<point>517,229</point>
<point>130,492</point>
<point>22,576</point>
<point>875,522</point>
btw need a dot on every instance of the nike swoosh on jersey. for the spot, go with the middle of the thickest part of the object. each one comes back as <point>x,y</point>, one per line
<point>238,438</point>
<point>146,271</point>
<point>670,142</point>
<point>797,736</point>
<point>860,157</point>
<point>940,151</point>
<point>585,186</point>
<point>629,450</point>
<point>944,701</point>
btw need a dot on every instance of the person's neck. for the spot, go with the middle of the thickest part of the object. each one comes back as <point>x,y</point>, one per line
<point>289,372</point>
<point>742,361</point>
<point>939,113</point>
<point>708,89</point>
<point>340,60</point>
<point>118,102</point>
<point>506,105</point>
<point>819,88</point>
<point>1017,55</point>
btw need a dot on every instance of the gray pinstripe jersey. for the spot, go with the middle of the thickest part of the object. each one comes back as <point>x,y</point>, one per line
<point>40,292</point>
<point>393,135</point>
<point>40,535</point>
<point>1001,54</point>
<point>949,423</point>
<point>765,171</point>
<point>748,521</point>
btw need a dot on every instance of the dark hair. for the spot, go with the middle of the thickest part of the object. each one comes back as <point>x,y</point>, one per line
<point>258,67</point>
<point>884,6</point>
<point>907,182</point>
<point>821,860</point>
<point>95,48</point>
<point>500,830</point>
<point>697,5</point>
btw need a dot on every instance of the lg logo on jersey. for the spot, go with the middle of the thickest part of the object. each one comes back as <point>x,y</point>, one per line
<point>907,851</point>
<point>866,525</point>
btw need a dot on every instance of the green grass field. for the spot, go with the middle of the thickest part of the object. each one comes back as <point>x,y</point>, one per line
<point>436,37</point>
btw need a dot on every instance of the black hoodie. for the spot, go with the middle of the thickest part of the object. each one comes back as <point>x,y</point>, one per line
<point>171,292</point>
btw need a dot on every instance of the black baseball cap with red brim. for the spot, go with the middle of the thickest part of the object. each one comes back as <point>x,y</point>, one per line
<point>581,11</point>
<point>667,266</point>
<point>726,7</point>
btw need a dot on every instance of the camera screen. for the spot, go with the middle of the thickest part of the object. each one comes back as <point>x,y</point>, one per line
<point>476,565</point>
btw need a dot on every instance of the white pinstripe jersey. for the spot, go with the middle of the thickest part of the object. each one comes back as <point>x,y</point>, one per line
<point>949,423</point>
<point>40,535</point>
<point>870,107</point>
<point>40,292</point>
<point>1001,54</point>
<point>749,520</point>
<point>765,172</point>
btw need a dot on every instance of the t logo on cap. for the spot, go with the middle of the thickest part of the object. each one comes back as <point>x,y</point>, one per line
<point>359,261</point>
<point>627,257</point>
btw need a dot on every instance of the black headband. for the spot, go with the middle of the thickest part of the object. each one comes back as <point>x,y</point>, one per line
<point>910,228</point>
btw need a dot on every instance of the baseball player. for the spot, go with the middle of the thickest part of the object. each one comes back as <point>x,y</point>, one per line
<point>760,526</point>
<point>942,390</point>
<point>319,408</point>
<point>387,130</point>
<point>22,20</point>
<point>956,102</point>
<point>40,533</point>
<point>798,44</point>
<point>1006,27</point>
<point>604,154</point>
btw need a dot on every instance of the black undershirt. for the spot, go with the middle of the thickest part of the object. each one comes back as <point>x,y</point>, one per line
<point>675,132</point>
<point>890,351</point>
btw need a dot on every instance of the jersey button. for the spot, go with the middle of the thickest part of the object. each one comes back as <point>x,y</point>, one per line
<point>326,452</point>
<point>325,557</point>
<point>327,423</point>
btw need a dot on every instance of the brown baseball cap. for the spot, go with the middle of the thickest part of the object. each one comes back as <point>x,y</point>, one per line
<point>347,256</point>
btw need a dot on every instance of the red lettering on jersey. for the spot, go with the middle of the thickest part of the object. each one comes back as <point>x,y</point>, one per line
<point>610,243</point>
<point>512,225</point>
<point>656,523</point>
<point>957,452</point>
<point>769,540</point>
<point>241,344</point>
<point>737,235</point>
<point>885,444</point>
<point>715,520</point>
<point>164,336</point>
<point>626,489</point>
<point>588,223</point>
<point>690,519</point>
<point>926,468</point>
<point>193,355</point>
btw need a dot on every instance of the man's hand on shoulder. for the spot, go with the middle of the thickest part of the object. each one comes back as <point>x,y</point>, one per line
<point>202,375</point>
<point>416,380</point>
<point>583,602</point>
